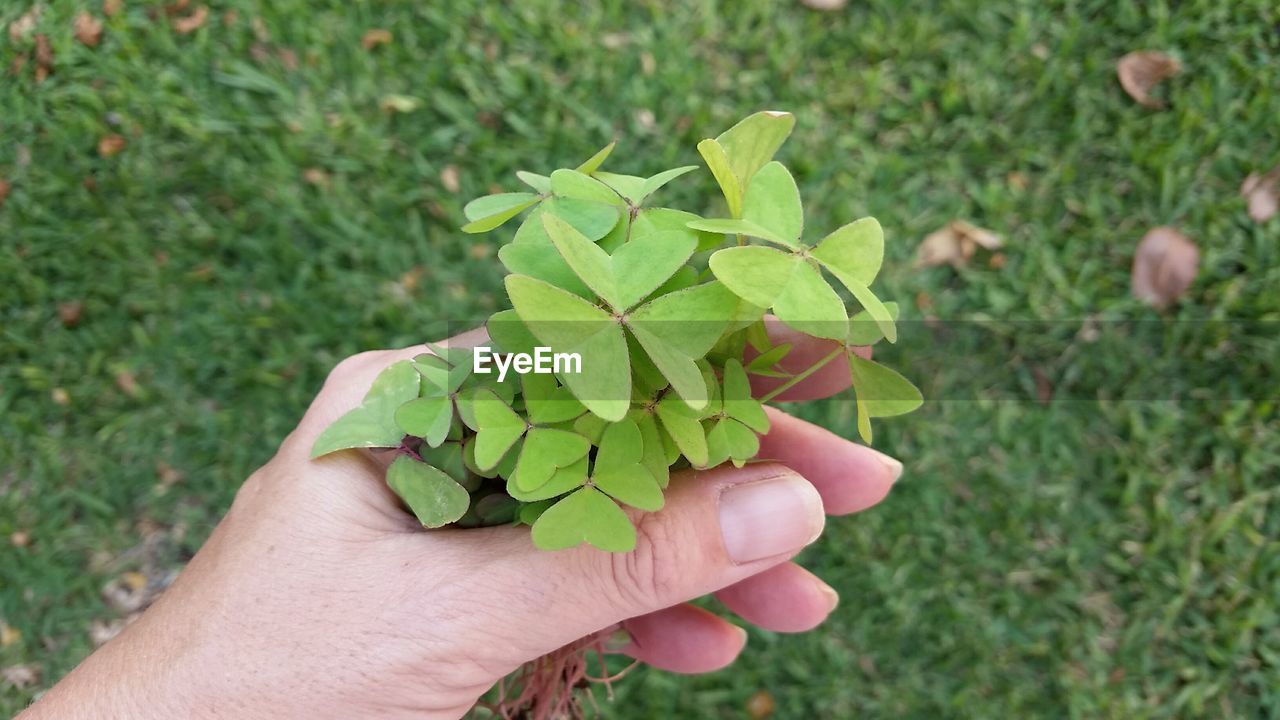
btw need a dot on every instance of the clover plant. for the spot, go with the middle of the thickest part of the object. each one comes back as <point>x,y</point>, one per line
<point>661,308</point>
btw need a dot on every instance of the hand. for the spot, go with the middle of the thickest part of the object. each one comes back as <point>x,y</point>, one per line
<point>318,596</point>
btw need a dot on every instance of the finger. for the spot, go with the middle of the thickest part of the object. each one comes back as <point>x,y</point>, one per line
<point>718,527</point>
<point>806,350</point>
<point>785,598</point>
<point>848,476</point>
<point>684,639</point>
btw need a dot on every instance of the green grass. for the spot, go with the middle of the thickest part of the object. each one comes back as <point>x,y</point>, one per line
<point>1112,557</point>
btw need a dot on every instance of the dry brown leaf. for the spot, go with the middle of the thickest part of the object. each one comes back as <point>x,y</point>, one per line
<point>5,187</point>
<point>88,29</point>
<point>8,634</point>
<point>111,8</point>
<point>1141,71</point>
<point>21,676</point>
<point>824,4</point>
<point>22,27</point>
<point>103,631</point>
<point>60,397</point>
<point>647,63</point>
<point>954,244</point>
<point>127,593</point>
<point>44,58</point>
<point>1164,266</point>
<point>376,37</point>
<point>410,278</point>
<point>316,176</point>
<point>111,145</point>
<point>69,313</point>
<point>176,7</point>
<point>449,178</point>
<point>20,538</point>
<point>480,250</point>
<point>168,474</point>
<point>193,22</point>
<point>288,58</point>
<point>1261,192</point>
<point>127,383</point>
<point>760,705</point>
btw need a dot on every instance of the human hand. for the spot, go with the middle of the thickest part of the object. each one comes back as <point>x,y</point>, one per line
<point>318,596</point>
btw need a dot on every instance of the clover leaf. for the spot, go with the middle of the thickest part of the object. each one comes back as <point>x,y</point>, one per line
<point>373,423</point>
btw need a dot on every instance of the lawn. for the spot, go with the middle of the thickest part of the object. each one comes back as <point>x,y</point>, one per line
<point>1088,523</point>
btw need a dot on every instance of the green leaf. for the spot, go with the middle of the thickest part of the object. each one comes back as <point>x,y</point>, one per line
<point>882,392</point>
<point>530,512</point>
<point>545,451</point>
<point>656,182</point>
<point>811,306</point>
<point>863,330</point>
<point>873,306</point>
<point>628,186</point>
<point>432,495</point>
<point>655,454</point>
<point>563,480</point>
<point>678,329</point>
<point>498,428</point>
<point>543,261</point>
<point>718,163</point>
<point>630,274</point>
<point>546,402</point>
<point>766,362</point>
<point>738,403</point>
<point>449,458</point>
<point>773,202</point>
<point>573,184</point>
<point>509,333</point>
<point>586,515</point>
<point>592,219</point>
<point>496,509</point>
<point>619,471</point>
<point>755,274</point>
<point>729,439</point>
<point>540,183</point>
<point>444,375</point>
<point>854,251</point>
<point>753,141</point>
<point>651,220</point>
<point>428,418</point>
<point>594,162</point>
<point>746,227</point>
<point>682,425</point>
<point>373,424</point>
<point>487,213</point>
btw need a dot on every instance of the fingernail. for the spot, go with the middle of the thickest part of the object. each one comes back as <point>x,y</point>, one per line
<point>769,517</point>
<point>617,641</point>
<point>895,467</point>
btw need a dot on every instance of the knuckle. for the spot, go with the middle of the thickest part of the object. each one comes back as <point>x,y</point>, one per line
<point>650,576</point>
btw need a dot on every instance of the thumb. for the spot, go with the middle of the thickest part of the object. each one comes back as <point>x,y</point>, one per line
<point>718,527</point>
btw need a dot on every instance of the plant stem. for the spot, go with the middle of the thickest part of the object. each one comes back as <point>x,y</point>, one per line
<point>799,378</point>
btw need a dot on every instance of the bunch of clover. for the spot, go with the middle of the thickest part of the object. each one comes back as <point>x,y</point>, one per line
<point>661,306</point>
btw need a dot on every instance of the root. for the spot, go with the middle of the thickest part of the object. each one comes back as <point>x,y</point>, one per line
<point>554,686</point>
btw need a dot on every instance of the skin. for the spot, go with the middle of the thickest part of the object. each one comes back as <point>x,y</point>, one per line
<point>317,596</point>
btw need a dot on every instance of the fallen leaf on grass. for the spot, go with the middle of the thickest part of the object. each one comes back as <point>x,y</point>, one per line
<point>44,58</point>
<point>1261,192</point>
<point>69,313</point>
<point>449,178</point>
<point>5,187</point>
<point>824,4</point>
<point>20,538</point>
<point>954,244</point>
<point>111,145</point>
<point>1164,266</point>
<point>21,676</point>
<point>193,22</point>
<point>127,383</point>
<point>88,29</point>
<point>1141,71</point>
<point>60,397</point>
<point>760,705</point>
<point>19,29</point>
<point>168,474</point>
<point>399,103</point>
<point>8,634</point>
<point>103,631</point>
<point>374,38</point>
<point>111,8</point>
<point>128,593</point>
<point>175,7</point>
<point>316,176</point>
